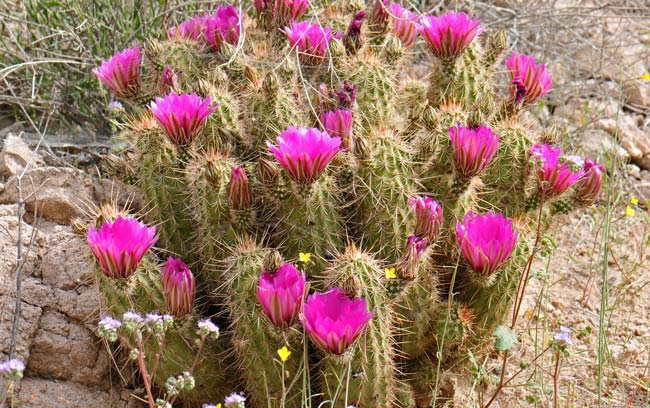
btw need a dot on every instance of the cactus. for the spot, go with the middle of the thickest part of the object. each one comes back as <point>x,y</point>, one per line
<point>293,143</point>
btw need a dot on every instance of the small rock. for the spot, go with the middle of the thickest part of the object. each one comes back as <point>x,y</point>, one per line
<point>55,194</point>
<point>637,93</point>
<point>15,155</point>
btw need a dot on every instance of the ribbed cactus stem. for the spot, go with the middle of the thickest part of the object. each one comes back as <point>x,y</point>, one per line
<point>161,179</point>
<point>308,219</point>
<point>370,362</point>
<point>384,183</point>
<point>255,340</point>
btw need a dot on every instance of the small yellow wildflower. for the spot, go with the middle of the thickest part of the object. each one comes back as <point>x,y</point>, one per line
<point>219,405</point>
<point>304,257</point>
<point>390,273</point>
<point>634,200</point>
<point>629,211</point>
<point>646,76</point>
<point>284,353</point>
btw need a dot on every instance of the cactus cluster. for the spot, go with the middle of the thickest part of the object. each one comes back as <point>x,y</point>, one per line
<point>375,225</point>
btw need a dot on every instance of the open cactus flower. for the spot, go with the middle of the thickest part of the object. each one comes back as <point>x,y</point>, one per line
<point>312,196</point>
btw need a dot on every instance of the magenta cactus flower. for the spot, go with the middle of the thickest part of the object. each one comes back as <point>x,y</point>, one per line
<point>449,34</point>
<point>311,40</point>
<point>338,123</point>
<point>181,116</point>
<point>304,152</point>
<point>429,217</point>
<point>285,11</point>
<point>486,241</point>
<point>529,81</point>
<point>405,24</point>
<point>333,321</point>
<point>589,185</point>
<point>474,149</point>
<point>555,173</point>
<point>121,73</point>
<point>178,287</point>
<point>222,26</point>
<point>282,294</point>
<point>240,196</point>
<point>118,246</point>
<point>192,28</point>
<point>378,17</point>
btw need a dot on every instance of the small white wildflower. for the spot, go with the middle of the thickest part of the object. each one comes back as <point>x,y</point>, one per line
<point>235,400</point>
<point>207,328</point>
<point>12,369</point>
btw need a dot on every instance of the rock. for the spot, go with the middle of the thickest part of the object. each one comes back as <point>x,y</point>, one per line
<point>27,326</point>
<point>637,93</point>
<point>597,144</point>
<point>15,155</point>
<point>40,393</point>
<point>67,264</point>
<point>65,350</point>
<point>55,194</point>
<point>634,140</point>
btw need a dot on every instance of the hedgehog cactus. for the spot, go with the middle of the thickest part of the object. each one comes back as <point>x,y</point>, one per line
<point>260,134</point>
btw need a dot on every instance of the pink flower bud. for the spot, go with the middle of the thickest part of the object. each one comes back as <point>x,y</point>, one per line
<point>121,73</point>
<point>449,34</point>
<point>486,241</point>
<point>240,196</point>
<point>408,264</point>
<point>181,116</point>
<point>281,294</point>
<point>474,149</point>
<point>304,153</point>
<point>530,81</point>
<point>429,218</point>
<point>352,37</point>
<point>333,321</point>
<point>118,246</point>
<point>178,287</point>
<point>589,185</point>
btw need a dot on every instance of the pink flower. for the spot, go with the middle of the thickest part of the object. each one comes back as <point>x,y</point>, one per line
<point>121,73</point>
<point>214,29</point>
<point>285,11</point>
<point>449,34</point>
<point>405,24</point>
<point>346,95</point>
<point>486,241</point>
<point>428,214</point>
<point>304,153</point>
<point>589,185</point>
<point>240,196</point>
<point>178,287</point>
<point>530,81</point>
<point>181,116</point>
<point>474,149</point>
<point>262,5</point>
<point>119,245</point>
<point>281,294</point>
<point>192,28</point>
<point>333,321</point>
<point>555,174</point>
<point>338,123</point>
<point>222,26</point>
<point>311,40</point>
<point>379,14</point>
